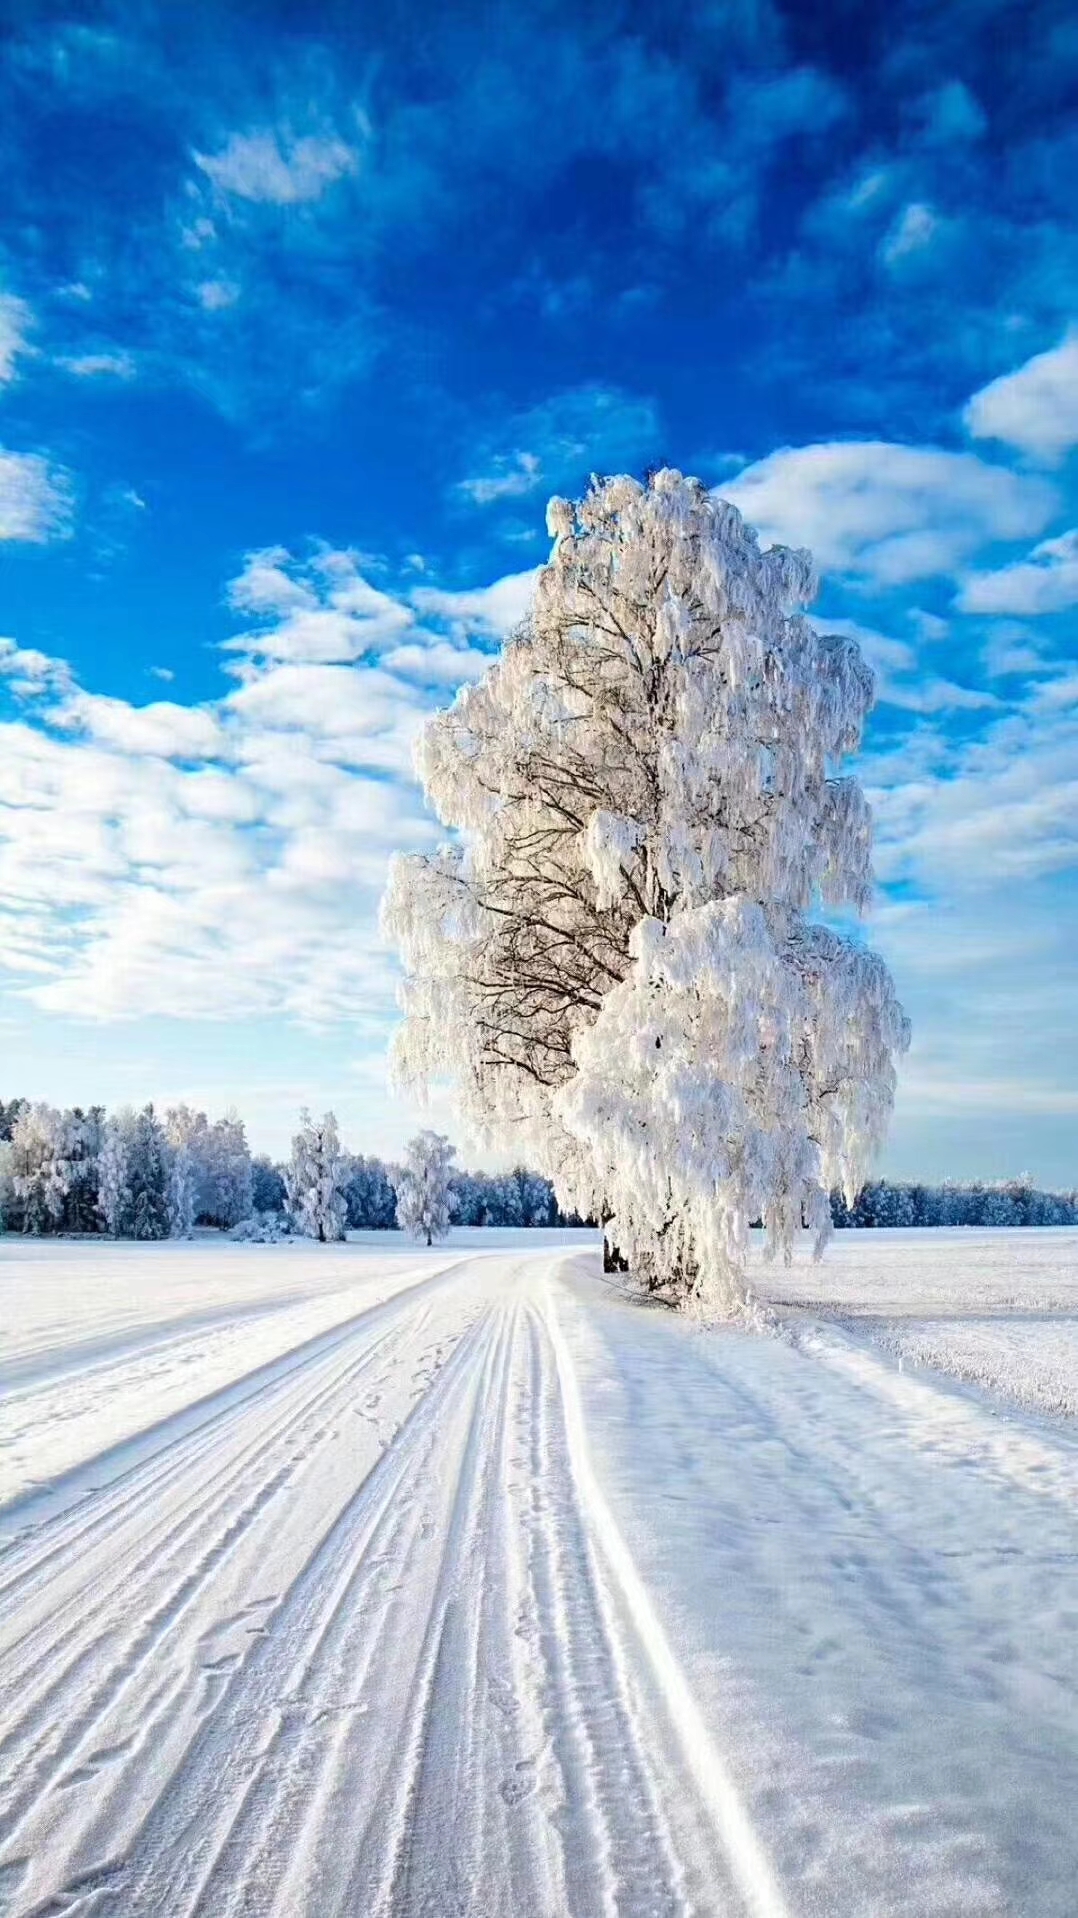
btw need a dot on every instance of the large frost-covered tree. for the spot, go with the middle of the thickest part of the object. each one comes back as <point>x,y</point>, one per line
<point>316,1177</point>
<point>614,960</point>
<point>424,1192</point>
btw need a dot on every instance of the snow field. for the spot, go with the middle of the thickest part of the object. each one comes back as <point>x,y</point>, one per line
<point>495,1593</point>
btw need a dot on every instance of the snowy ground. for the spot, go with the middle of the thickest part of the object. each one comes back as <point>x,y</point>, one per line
<point>371,1581</point>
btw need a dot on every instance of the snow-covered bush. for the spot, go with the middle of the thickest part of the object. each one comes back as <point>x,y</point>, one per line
<point>264,1228</point>
<point>423,1191</point>
<point>614,960</point>
<point>316,1178</point>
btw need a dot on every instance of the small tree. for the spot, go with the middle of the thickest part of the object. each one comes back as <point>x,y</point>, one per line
<point>424,1193</point>
<point>615,960</point>
<point>315,1178</point>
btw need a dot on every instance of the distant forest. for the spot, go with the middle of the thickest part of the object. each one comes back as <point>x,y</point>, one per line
<point>137,1175</point>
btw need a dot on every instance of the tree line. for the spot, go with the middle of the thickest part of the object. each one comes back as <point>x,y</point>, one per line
<point>1003,1202</point>
<point>144,1175</point>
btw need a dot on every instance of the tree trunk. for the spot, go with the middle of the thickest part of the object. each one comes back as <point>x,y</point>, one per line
<point>613,1260</point>
<point>429,1238</point>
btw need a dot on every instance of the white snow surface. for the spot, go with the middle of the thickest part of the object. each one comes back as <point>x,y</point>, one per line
<point>362,1579</point>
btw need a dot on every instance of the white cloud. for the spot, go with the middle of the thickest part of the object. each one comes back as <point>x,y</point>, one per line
<point>31,673</point>
<point>216,296</point>
<point>93,366</point>
<point>889,513</point>
<point>439,662</point>
<point>35,499</point>
<point>999,808</point>
<point>271,167</point>
<point>1035,408</point>
<point>162,730</point>
<point>513,476</point>
<point>321,612</point>
<point>1046,582</point>
<point>494,609</point>
<point>225,860</point>
<point>14,328</point>
<point>560,440</point>
<point>914,230</point>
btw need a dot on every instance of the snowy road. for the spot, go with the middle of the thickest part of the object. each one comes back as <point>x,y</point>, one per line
<point>480,1591</point>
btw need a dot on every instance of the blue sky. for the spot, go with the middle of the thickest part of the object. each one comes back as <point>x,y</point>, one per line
<point>303,315</point>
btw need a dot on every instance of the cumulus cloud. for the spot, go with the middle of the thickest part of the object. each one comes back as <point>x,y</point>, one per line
<point>225,860</point>
<point>493,609</point>
<point>162,730</point>
<point>35,498</point>
<point>1046,582</point>
<point>885,512</point>
<point>323,611</point>
<point>272,167</point>
<point>1035,408</point>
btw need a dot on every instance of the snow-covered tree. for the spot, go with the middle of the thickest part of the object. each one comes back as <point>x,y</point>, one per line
<point>316,1177</point>
<point>615,960</point>
<point>220,1161</point>
<point>148,1177</point>
<point>372,1201</point>
<point>115,1199</point>
<point>39,1167</point>
<point>267,1185</point>
<point>229,1196</point>
<point>8,1204</point>
<point>80,1146</point>
<point>188,1136</point>
<point>182,1191</point>
<point>423,1190</point>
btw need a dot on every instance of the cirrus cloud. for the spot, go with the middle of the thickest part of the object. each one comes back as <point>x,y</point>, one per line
<point>35,498</point>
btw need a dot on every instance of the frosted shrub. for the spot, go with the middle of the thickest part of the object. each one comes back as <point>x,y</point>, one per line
<point>613,959</point>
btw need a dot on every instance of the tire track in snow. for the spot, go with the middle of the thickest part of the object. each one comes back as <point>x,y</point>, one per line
<point>89,1665</point>
<point>408,1673</point>
<point>748,1860</point>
